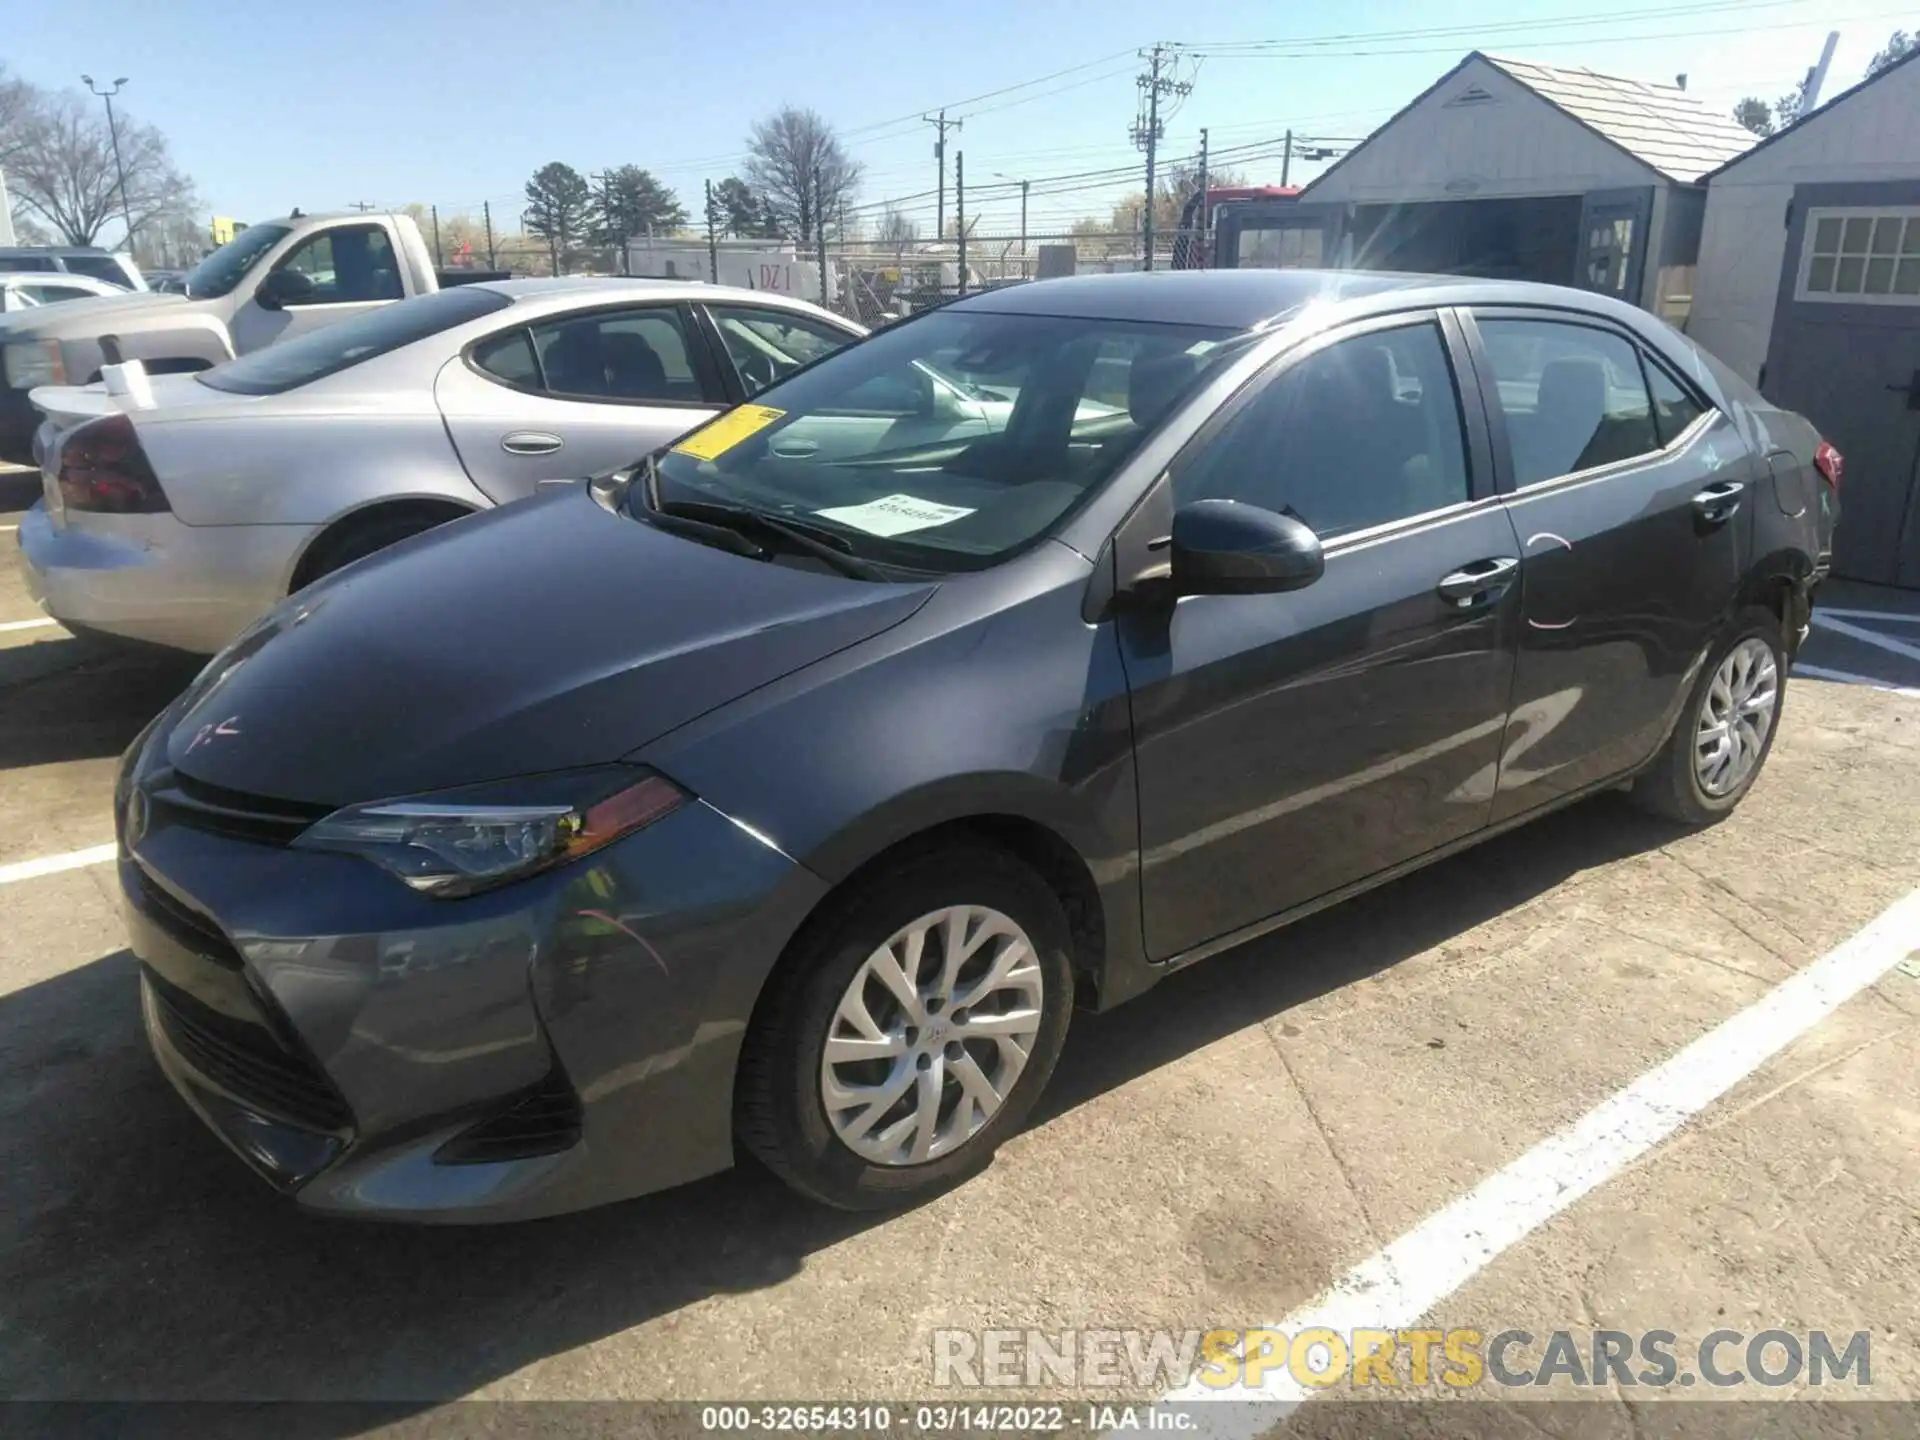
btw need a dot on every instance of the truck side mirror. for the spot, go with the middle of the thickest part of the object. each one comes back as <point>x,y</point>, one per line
<point>282,288</point>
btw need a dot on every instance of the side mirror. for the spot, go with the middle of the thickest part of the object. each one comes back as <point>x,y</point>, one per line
<point>282,288</point>
<point>1221,547</point>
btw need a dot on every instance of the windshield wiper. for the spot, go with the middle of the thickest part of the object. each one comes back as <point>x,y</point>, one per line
<point>711,519</point>
<point>811,540</point>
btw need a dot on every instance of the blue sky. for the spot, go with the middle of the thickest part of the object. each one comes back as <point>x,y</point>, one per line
<point>391,101</point>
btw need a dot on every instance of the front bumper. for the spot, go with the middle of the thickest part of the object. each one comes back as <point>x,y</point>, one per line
<point>153,579</point>
<point>558,1043</point>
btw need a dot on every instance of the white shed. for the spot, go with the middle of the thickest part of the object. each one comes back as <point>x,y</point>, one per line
<point>1516,170</point>
<point>1809,286</point>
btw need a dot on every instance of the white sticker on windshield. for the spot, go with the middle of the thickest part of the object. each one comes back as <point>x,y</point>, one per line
<point>894,515</point>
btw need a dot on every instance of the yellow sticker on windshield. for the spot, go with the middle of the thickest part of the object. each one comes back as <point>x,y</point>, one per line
<point>713,440</point>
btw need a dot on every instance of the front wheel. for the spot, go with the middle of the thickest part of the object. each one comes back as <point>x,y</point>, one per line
<point>1725,733</point>
<point>911,1033</point>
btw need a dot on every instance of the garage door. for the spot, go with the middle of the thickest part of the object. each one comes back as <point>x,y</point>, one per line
<point>1846,353</point>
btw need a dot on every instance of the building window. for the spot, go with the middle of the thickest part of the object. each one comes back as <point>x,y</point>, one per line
<point>1868,256</point>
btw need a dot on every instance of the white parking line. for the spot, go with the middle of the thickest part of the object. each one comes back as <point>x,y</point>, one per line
<point>54,864</point>
<point>1847,677</point>
<point>1400,1284</point>
<point>9,527</point>
<point>25,624</point>
<point>1870,637</point>
<point>1898,616</point>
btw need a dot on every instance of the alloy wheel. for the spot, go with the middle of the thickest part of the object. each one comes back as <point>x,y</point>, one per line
<point>1735,716</point>
<point>931,1035</point>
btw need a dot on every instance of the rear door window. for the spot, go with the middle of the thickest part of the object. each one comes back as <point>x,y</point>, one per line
<point>1674,409</point>
<point>647,355</point>
<point>1574,396</point>
<point>766,345</point>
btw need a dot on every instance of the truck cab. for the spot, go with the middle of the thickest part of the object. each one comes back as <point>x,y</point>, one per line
<point>271,282</point>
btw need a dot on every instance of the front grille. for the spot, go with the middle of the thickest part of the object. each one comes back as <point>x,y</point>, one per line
<point>545,1121</point>
<point>193,931</point>
<point>247,1061</point>
<point>180,799</point>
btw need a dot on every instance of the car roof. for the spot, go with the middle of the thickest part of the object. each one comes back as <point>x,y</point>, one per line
<point>1249,299</point>
<point>569,288</point>
<point>57,277</point>
<point>57,250</point>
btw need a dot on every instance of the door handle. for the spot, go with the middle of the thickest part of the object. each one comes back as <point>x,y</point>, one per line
<point>530,442</point>
<point>1482,580</point>
<point>1719,503</point>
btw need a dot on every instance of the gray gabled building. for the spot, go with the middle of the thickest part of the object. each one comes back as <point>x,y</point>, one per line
<point>1511,169</point>
<point>1810,286</point>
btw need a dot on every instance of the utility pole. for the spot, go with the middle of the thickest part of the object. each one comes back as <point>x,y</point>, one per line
<point>1205,259</point>
<point>113,130</point>
<point>363,206</point>
<point>486,213</point>
<point>1286,160</point>
<point>1149,128</point>
<point>1023,225</point>
<point>438,258</point>
<point>940,160</point>
<point>820,230</point>
<point>713,241</point>
<point>960,210</point>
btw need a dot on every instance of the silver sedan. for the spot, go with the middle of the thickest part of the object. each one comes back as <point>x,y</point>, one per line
<point>179,508</point>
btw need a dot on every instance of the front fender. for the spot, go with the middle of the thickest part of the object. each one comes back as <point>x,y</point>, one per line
<point>970,710</point>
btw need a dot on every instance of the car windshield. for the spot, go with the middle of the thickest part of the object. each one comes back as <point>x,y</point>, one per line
<point>335,348</point>
<point>222,270</point>
<point>951,441</point>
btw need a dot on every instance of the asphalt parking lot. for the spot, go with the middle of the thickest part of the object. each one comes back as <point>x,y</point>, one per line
<point>1217,1155</point>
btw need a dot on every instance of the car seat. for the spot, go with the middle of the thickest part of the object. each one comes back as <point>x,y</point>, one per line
<point>1570,407</point>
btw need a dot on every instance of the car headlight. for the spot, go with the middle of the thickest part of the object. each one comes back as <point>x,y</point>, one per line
<point>34,362</point>
<point>461,841</point>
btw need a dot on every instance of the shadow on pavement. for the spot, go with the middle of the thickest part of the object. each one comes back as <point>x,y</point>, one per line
<point>140,1260</point>
<point>69,699</point>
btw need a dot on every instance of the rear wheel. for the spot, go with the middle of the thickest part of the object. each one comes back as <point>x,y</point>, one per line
<point>911,1033</point>
<point>367,536</point>
<point>1725,733</point>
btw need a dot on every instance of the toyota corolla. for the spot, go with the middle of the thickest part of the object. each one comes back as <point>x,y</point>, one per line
<point>786,791</point>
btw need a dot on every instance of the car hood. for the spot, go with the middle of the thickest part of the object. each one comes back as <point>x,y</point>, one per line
<point>93,316</point>
<point>544,635</point>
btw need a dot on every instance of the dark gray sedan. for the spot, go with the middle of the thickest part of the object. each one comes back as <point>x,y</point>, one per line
<point>788,789</point>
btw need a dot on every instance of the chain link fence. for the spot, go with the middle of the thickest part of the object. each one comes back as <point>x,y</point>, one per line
<point>874,282</point>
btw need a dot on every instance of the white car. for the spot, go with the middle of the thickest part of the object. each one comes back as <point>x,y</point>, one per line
<point>178,512</point>
<point>30,289</point>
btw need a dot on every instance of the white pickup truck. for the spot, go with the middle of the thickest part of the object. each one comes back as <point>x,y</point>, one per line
<point>272,281</point>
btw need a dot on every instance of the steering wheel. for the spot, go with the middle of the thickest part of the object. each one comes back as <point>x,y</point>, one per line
<point>759,371</point>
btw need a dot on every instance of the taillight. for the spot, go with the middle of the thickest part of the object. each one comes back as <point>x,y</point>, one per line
<point>1830,463</point>
<point>103,469</point>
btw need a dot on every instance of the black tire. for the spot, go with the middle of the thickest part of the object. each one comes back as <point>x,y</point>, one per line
<point>367,537</point>
<point>779,1113</point>
<point>1671,786</point>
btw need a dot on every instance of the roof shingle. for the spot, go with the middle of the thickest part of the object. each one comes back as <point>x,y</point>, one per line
<point>1661,125</point>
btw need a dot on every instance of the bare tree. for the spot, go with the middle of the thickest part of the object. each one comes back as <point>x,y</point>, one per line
<point>19,101</point>
<point>172,242</point>
<point>64,170</point>
<point>799,169</point>
<point>897,232</point>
